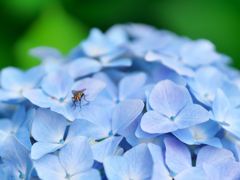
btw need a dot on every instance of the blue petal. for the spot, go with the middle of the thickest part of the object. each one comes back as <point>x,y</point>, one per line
<point>81,127</point>
<point>113,55</point>
<point>23,136</point>
<point>32,77</point>
<point>105,148</point>
<point>140,162</point>
<point>131,84</point>
<point>153,122</point>
<point>118,63</point>
<point>125,113</point>
<point>232,118</point>
<point>184,135</point>
<point>83,66</point>
<point>213,142</point>
<point>39,149</point>
<point>130,130</point>
<point>227,170</point>
<point>161,73</point>
<point>49,167</point>
<point>220,105</point>
<point>5,172</point>
<point>192,173</point>
<point>57,84</point>
<point>96,44</point>
<point>66,108</point>
<point>11,78</point>
<point>29,118</point>
<point>160,173</point>
<point>134,141</point>
<point>207,80</point>
<point>91,174</point>
<point>117,33</point>
<point>111,87</point>
<point>18,117</point>
<point>159,168</point>
<point>142,134</point>
<point>171,62</point>
<point>116,168</point>
<point>3,137</point>
<point>168,98</point>
<point>15,154</point>
<point>212,155</point>
<point>178,157</point>
<point>238,151</point>
<point>199,52</point>
<point>148,107</point>
<point>190,115</point>
<point>39,98</point>
<point>232,91</point>
<point>99,115</point>
<point>43,52</point>
<point>5,125</point>
<point>48,126</point>
<point>76,156</point>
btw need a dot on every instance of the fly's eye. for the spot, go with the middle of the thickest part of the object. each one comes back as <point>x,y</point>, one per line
<point>73,97</point>
<point>78,97</point>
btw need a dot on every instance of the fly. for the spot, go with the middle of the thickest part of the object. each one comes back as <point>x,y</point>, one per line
<point>77,96</point>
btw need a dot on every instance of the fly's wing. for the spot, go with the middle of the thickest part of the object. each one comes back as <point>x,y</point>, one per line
<point>73,92</point>
<point>83,90</point>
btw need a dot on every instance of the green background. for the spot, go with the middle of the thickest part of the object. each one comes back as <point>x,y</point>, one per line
<point>64,23</point>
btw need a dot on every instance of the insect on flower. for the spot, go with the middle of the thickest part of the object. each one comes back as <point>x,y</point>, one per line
<point>77,96</point>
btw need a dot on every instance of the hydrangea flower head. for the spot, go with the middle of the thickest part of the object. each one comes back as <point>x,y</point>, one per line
<point>130,103</point>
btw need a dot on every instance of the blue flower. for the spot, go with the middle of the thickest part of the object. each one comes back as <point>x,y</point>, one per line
<point>111,123</point>
<point>200,134</point>
<point>15,155</point>
<point>134,164</point>
<point>132,86</point>
<point>228,170</point>
<point>178,161</point>
<point>56,93</point>
<point>14,82</point>
<point>48,129</point>
<point>74,162</point>
<point>170,62</point>
<point>206,82</point>
<point>18,126</point>
<point>98,44</point>
<point>172,109</point>
<point>224,114</point>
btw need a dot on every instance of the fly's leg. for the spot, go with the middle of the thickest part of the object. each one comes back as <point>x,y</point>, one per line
<point>74,103</point>
<point>80,104</point>
<point>84,98</point>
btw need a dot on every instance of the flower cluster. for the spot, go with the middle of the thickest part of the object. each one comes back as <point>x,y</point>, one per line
<point>133,103</point>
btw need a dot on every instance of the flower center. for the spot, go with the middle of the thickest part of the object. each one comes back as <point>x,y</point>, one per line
<point>110,133</point>
<point>92,141</point>
<point>12,132</point>
<point>206,95</point>
<point>68,176</point>
<point>117,101</point>
<point>172,118</point>
<point>172,174</point>
<point>61,141</point>
<point>61,99</point>
<point>21,175</point>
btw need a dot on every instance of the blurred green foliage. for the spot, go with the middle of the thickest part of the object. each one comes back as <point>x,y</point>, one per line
<point>64,23</point>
